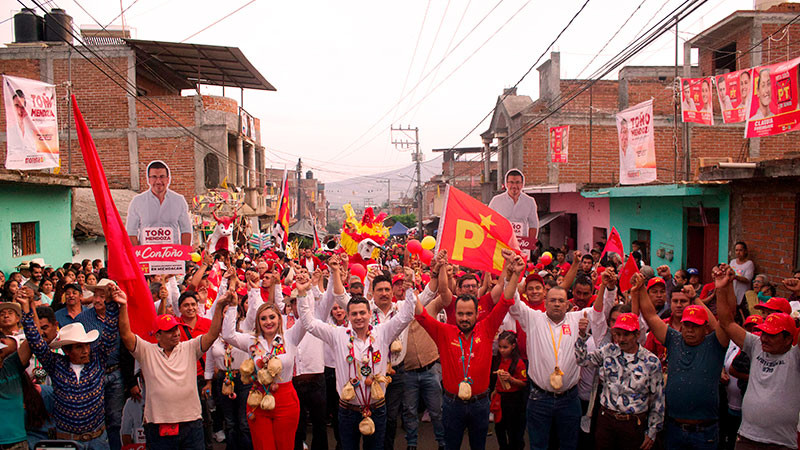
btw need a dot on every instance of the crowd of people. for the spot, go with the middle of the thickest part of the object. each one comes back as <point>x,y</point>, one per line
<point>256,349</point>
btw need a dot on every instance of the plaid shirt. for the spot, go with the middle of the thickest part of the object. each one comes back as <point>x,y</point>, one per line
<point>79,404</point>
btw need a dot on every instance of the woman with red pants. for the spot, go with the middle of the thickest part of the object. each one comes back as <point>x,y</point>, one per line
<point>273,409</point>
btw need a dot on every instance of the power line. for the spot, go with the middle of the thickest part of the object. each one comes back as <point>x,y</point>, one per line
<point>221,19</point>
<point>611,39</point>
<point>433,43</point>
<point>413,55</point>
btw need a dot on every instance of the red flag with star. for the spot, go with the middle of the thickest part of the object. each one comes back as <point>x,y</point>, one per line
<point>473,234</point>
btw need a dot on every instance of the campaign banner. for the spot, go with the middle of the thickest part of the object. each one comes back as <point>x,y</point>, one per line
<point>637,149</point>
<point>162,252</point>
<point>732,90</point>
<point>696,101</point>
<point>559,144</point>
<point>164,268</point>
<point>773,107</point>
<point>31,124</point>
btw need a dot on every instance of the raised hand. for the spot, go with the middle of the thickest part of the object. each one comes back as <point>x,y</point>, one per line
<point>23,296</point>
<point>303,283</point>
<point>723,276</point>
<point>792,284</point>
<point>689,291</point>
<point>335,264</point>
<point>663,271</point>
<point>637,282</point>
<point>118,295</point>
<point>583,324</point>
<point>609,278</point>
<point>519,265</point>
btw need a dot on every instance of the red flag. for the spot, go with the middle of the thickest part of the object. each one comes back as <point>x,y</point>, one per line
<point>474,234</point>
<point>317,242</point>
<point>122,266</point>
<point>627,272</point>
<point>613,244</point>
<point>280,229</point>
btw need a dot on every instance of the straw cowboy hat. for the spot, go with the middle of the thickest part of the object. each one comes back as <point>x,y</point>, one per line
<point>14,306</point>
<point>105,283</point>
<point>74,333</point>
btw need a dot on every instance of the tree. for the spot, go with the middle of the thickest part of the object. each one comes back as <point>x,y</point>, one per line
<point>333,227</point>
<point>409,220</point>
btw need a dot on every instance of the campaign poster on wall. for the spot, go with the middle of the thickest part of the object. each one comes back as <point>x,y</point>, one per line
<point>637,150</point>
<point>696,101</point>
<point>559,144</point>
<point>158,224</point>
<point>732,90</point>
<point>31,124</point>
<point>773,105</point>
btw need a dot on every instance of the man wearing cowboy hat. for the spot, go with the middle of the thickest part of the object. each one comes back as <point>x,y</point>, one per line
<point>94,319</point>
<point>9,321</point>
<point>77,376</point>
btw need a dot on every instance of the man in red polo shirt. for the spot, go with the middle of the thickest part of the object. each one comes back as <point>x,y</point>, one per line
<point>466,356</point>
<point>468,284</point>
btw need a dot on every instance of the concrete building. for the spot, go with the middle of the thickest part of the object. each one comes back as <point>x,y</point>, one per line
<point>35,211</point>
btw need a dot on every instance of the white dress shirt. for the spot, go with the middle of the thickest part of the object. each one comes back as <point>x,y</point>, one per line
<point>215,358</point>
<point>146,210</point>
<point>524,211</point>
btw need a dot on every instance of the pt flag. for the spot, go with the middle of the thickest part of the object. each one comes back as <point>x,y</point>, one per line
<point>696,100</point>
<point>613,244</point>
<point>473,234</point>
<point>31,124</point>
<point>637,148</point>
<point>774,107</point>
<point>122,265</point>
<point>280,229</point>
<point>559,144</point>
<point>732,90</point>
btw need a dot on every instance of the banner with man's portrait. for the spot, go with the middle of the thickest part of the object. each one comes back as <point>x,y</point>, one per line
<point>697,101</point>
<point>559,144</point>
<point>732,90</point>
<point>31,124</point>
<point>774,107</point>
<point>637,149</point>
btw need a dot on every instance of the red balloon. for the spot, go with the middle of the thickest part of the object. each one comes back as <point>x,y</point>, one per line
<point>414,247</point>
<point>426,257</point>
<point>358,270</point>
<point>545,259</point>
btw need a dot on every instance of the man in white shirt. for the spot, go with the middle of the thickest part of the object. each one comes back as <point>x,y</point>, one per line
<point>553,369</point>
<point>159,215</point>
<point>519,208</point>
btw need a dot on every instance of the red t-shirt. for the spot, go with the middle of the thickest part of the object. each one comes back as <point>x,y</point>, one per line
<point>707,290</point>
<point>657,348</point>
<point>485,305</point>
<point>563,268</point>
<point>201,327</point>
<point>480,360</point>
<point>519,373</point>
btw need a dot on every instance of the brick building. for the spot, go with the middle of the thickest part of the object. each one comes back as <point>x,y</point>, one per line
<point>204,139</point>
<point>581,198</point>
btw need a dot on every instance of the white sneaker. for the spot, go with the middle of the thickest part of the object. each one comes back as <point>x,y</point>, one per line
<point>219,436</point>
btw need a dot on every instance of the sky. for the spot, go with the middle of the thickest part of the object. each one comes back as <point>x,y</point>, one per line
<point>346,71</point>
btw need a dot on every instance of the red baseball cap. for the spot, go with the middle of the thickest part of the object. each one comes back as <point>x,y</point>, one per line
<point>534,277</point>
<point>627,322</point>
<point>776,304</point>
<point>778,322</point>
<point>396,278</point>
<point>166,322</point>
<point>695,314</point>
<point>754,319</point>
<point>654,281</point>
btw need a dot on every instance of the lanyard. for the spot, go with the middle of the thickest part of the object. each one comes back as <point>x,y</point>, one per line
<point>553,339</point>
<point>465,364</point>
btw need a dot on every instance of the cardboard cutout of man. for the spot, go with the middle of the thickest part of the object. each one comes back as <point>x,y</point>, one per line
<point>159,215</point>
<point>518,207</point>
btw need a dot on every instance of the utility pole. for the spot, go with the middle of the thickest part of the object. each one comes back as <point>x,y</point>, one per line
<point>388,182</point>
<point>299,179</point>
<point>417,158</point>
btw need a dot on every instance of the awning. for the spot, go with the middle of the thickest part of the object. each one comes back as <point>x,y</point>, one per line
<point>185,65</point>
<point>398,229</point>
<point>549,217</point>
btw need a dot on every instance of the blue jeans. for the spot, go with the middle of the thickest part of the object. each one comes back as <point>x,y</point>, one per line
<point>426,385</point>
<point>546,410</point>
<point>114,402</point>
<point>676,438</point>
<point>394,405</point>
<point>190,437</point>
<point>234,411</point>
<point>458,415</point>
<point>98,443</point>
<point>348,429</point>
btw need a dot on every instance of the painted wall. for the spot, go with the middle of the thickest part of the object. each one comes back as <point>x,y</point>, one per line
<point>592,212</point>
<point>90,249</point>
<point>51,206</point>
<point>664,216</point>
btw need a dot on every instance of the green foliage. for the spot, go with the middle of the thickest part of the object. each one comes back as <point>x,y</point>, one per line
<point>409,220</point>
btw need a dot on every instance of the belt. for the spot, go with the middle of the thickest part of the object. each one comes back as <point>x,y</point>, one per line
<point>360,408</point>
<point>84,437</point>
<point>472,399</point>
<point>622,417</point>
<point>112,369</point>
<point>423,368</point>
<point>693,427</point>
<point>535,387</point>
<point>306,377</point>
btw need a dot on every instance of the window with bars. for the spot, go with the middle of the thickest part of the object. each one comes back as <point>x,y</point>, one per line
<point>24,239</point>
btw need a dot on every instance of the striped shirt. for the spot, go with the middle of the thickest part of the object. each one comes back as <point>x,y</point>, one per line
<point>91,321</point>
<point>79,404</point>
